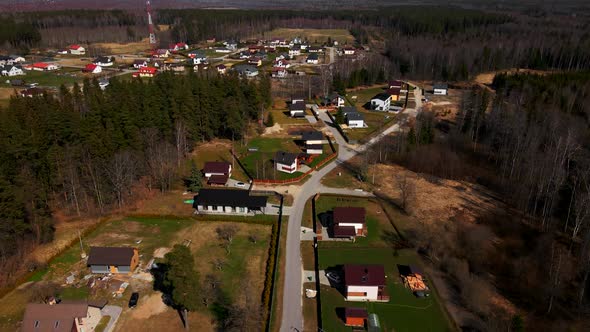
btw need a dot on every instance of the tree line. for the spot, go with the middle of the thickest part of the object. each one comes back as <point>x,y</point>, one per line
<point>84,151</point>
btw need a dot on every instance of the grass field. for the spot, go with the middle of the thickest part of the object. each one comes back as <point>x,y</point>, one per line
<point>50,78</point>
<point>404,312</point>
<point>259,163</point>
<point>343,36</point>
<point>217,150</point>
<point>280,113</point>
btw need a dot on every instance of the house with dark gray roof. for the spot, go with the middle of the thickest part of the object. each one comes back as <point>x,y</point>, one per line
<point>246,70</point>
<point>228,201</point>
<point>381,102</point>
<point>440,89</point>
<point>113,259</point>
<point>355,120</point>
<point>286,162</point>
<point>297,109</point>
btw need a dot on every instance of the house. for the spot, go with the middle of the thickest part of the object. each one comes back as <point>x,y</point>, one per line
<point>279,72</point>
<point>349,222</point>
<point>313,59</point>
<point>210,40</point>
<point>201,67</point>
<point>296,99</point>
<point>334,99</point>
<point>198,56</point>
<point>32,92</point>
<point>281,63</point>
<point>139,63</point>
<point>221,69</point>
<point>395,84</point>
<point>286,162</point>
<point>113,259</point>
<point>394,93</point>
<point>365,283</point>
<point>231,45</point>
<point>43,66</point>
<point>161,53</point>
<point>224,50</point>
<point>349,51</point>
<point>146,72</point>
<point>17,58</point>
<point>174,67</point>
<point>158,63</point>
<point>178,47</point>
<point>294,51</point>
<point>297,109</point>
<point>255,61</point>
<point>63,317</point>
<point>10,59</point>
<point>315,49</point>
<point>92,68</point>
<point>76,49</point>
<point>381,102</point>
<point>313,142</point>
<point>102,84</point>
<point>355,120</point>
<point>10,70</point>
<point>212,168</point>
<point>255,48</point>
<point>103,61</point>
<point>355,316</point>
<point>440,89</point>
<point>228,201</point>
<point>246,70</point>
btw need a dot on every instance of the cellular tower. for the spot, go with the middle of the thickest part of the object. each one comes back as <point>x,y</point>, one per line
<point>148,6</point>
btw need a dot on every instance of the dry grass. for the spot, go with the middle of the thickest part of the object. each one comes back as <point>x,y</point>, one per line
<point>279,283</point>
<point>487,78</point>
<point>169,203</point>
<point>168,320</point>
<point>128,48</point>
<point>313,35</point>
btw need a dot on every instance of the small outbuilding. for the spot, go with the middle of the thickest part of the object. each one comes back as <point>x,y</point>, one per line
<point>355,316</point>
<point>440,89</point>
<point>113,259</point>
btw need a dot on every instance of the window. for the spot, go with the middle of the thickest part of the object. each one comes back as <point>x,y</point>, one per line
<point>56,324</point>
<point>36,323</point>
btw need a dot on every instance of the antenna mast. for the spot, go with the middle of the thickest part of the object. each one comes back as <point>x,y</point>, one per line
<point>151,24</point>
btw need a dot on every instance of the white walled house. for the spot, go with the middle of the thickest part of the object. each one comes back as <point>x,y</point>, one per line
<point>103,61</point>
<point>365,283</point>
<point>228,201</point>
<point>381,102</point>
<point>11,70</point>
<point>76,49</point>
<point>440,89</point>
<point>349,222</point>
<point>312,59</point>
<point>355,120</point>
<point>212,168</point>
<point>286,162</point>
<point>294,51</point>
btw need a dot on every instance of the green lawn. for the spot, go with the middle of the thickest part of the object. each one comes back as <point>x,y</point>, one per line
<point>102,324</point>
<point>260,163</point>
<point>50,78</point>
<point>403,313</point>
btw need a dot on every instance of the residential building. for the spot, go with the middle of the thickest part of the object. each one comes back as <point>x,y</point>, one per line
<point>64,317</point>
<point>231,45</point>
<point>313,59</point>
<point>220,201</point>
<point>294,51</point>
<point>11,70</point>
<point>349,222</point>
<point>314,141</point>
<point>103,61</point>
<point>32,92</point>
<point>440,89</point>
<point>395,84</point>
<point>286,162</point>
<point>246,70</point>
<point>113,259</point>
<point>43,66</point>
<point>217,168</point>
<point>146,72</point>
<point>365,283</point>
<point>139,63</point>
<point>349,51</point>
<point>334,99</point>
<point>281,63</point>
<point>355,120</point>
<point>161,53</point>
<point>255,61</point>
<point>223,50</point>
<point>296,99</point>
<point>315,49</point>
<point>355,316</point>
<point>278,72</point>
<point>178,47</point>
<point>221,69</point>
<point>198,56</point>
<point>17,58</point>
<point>297,109</point>
<point>381,102</point>
<point>76,49</point>
<point>92,68</point>
<point>394,93</point>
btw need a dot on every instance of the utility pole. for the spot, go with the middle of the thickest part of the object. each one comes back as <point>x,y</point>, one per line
<point>83,254</point>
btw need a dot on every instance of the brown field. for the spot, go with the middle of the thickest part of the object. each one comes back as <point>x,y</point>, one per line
<point>133,48</point>
<point>313,35</point>
<point>5,94</point>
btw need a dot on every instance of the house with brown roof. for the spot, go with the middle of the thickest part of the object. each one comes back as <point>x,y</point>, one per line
<point>217,172</point>
<point>113,259</point>
<point>40,317</point>
<point>365,283</point>
<point>349,222</point>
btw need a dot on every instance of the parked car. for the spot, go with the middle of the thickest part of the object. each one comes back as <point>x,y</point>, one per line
<point>333,276</point>
<point>240,184</point>
<point>133,300</point>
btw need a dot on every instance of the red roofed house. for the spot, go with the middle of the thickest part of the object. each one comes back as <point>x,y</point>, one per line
<point>178,47</point>
<point>349,222</point>
<point>279,72</point>
<point>92,68</point>
<point>76,49</point>
<point>146,72</point>
<point>217,172</point>
<point>43,66</point>
<point>355,316</point>
<point>365,283</point>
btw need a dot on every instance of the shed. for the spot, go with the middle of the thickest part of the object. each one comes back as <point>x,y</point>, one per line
<point>355,316</point>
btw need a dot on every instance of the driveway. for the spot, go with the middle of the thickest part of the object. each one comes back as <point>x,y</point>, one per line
<point>114,312</point>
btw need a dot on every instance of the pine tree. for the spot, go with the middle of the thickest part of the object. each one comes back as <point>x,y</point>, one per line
<point>195,180</point>
<point>270,121</point>
<point>339,116</point>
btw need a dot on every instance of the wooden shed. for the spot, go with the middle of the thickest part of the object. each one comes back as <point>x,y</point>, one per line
<point>355,316</point>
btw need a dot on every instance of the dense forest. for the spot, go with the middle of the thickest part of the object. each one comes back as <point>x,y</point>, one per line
<point>84,151</point>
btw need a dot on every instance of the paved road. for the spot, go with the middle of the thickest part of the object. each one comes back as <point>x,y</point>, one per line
<point>292,319</point>
<point>113,311</point>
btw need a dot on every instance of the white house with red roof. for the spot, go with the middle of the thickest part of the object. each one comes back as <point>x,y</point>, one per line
<point>41,66</point>
<point>365,283</point>
<point>178,47</point>
<point>92,68</point>
<point>279,72</point>
<point>76,49</point>
<point>146,72</point>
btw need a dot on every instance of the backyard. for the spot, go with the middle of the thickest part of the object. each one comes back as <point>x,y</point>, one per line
<point>403,313</point>
<point>50,78</point>
<point>259,163</point>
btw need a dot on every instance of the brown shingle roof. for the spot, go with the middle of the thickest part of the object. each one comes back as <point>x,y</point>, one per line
<point>54,318</point>
<point>355,312</point>
<point>364,275</point>
<point>344,231</point>
<point>354,215</point>
<point>218,179</point>
<point>110,256</point>
<point>216,167</point>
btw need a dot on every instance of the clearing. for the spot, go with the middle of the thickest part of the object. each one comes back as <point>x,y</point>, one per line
<point>342,36</point>
<point>127,48</point>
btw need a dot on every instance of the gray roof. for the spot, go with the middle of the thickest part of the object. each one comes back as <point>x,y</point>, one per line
<point>286,158</point>
<point>314,147</point>
<point>245,68</point>
<point>110,256</point>
<point>382,96</point>
<point>229,197</point>
<point>354,116</point>
<point>348,109</point>
<point>312,136</point>
<point>443,86</point>
<point>312,56</point>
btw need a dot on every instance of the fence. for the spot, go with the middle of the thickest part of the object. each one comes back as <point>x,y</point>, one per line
<point>337,125</point>
<point>300,177</point>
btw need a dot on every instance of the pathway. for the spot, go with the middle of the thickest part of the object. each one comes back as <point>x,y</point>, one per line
<point>114,312</point>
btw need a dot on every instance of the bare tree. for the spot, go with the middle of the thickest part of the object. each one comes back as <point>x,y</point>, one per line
<point>121,173</point>
<point>407,191</point>
<point>227,233</point>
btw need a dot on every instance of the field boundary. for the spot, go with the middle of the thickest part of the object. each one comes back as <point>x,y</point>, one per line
<point>340,130</point>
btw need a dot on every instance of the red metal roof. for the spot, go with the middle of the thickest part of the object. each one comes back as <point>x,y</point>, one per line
<point>90,67</point>
<point>148,70</point>
<point>74,47</point>
<point>364,275</point>
<point>349,215</point>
